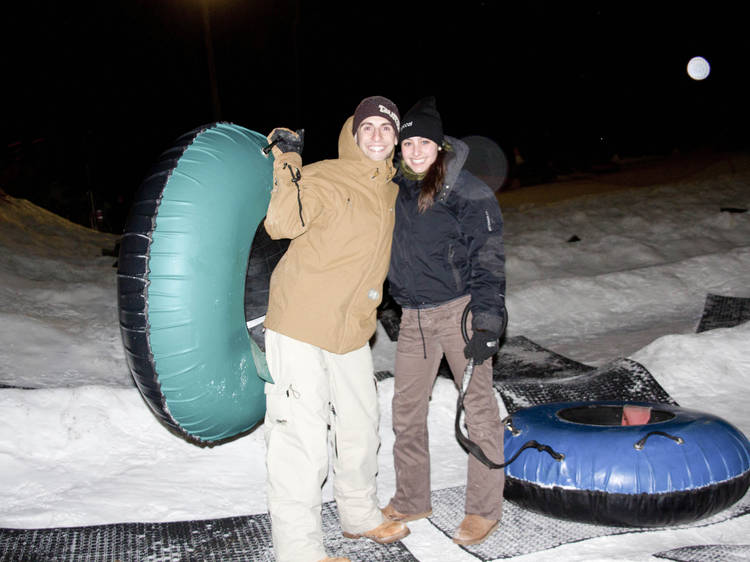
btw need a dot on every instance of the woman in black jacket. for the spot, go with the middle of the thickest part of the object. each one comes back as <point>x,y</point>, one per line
<point>447,254</point>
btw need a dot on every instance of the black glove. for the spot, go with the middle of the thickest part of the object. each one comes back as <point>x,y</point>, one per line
<point>481,346</point>
<point>285,140</point>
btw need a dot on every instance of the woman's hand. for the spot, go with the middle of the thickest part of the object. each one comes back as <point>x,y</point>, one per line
<point>482,345</point>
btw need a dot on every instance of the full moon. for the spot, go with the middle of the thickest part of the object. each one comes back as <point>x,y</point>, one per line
<point>698,68</point>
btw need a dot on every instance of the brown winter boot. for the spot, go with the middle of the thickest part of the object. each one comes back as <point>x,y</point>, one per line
<point>474,529</point>
<point>337,559</point>
<point>393,514</point>
<point>386,532</point>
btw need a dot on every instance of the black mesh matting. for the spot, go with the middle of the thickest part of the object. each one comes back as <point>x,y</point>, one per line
<point>526,374</point>
<point>222,540</point>
<point>524,532</point>
<point>381,375</point>
<point>520,358</point>
<point>708,553</point>
<point>723,312</point>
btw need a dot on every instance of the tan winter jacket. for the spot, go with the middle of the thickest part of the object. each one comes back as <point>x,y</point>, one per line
<point>326,288</point>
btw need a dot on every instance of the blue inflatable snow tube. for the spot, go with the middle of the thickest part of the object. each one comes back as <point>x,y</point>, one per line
<point>678,467</point>
<point>181,282</point>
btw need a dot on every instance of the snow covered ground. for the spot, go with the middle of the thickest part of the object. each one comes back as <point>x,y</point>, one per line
<point>82,448</point>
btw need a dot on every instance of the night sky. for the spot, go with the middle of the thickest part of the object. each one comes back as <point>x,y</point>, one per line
<point>95,91</point>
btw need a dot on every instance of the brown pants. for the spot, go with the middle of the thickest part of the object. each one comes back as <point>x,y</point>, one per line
<point>414,378</point>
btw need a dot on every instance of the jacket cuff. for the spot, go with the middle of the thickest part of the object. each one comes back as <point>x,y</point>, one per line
<point>487,322</point>
<point>288,158</point>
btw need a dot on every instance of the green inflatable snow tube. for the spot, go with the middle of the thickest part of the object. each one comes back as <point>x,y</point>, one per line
<point>181,283</point>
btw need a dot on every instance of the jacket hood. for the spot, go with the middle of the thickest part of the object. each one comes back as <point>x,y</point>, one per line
<point>455,159</point>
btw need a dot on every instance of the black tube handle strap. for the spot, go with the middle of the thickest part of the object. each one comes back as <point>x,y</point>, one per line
<point>640,444</point>
<point>270,146</point>
<point>474,449</point>
<point>469,445</point>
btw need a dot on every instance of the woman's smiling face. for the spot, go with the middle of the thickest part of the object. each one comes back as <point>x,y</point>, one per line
<point>419,153</point>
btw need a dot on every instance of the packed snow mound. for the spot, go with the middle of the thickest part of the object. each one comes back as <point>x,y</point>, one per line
<point>704,371</point>
<point>24,225</point>
<point>57,295</point>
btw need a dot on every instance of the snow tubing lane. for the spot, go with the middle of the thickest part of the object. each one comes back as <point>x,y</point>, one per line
<point>605,479</point>
<point>181,282</point>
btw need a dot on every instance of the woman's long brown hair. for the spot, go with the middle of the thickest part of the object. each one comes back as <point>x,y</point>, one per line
<point>432,182</point>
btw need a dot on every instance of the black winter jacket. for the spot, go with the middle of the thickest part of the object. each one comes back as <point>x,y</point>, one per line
<point>454,248</point>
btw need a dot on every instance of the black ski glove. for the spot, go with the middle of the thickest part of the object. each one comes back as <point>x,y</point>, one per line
<point>283,140</point>
<point>481,346</point>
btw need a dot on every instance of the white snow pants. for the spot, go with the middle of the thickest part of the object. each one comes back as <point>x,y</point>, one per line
<point>312,389</point>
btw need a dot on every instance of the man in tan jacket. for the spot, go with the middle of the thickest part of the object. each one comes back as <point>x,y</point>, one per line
<point>339,215</point>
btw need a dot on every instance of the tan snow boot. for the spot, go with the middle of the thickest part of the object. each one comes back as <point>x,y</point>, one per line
<point>386,532</point>
<point>474,529</point>
<point>393,514</point>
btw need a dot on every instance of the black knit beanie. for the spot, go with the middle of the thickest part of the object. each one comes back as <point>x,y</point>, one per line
<point>423,120</point>
<point>379,106</point>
